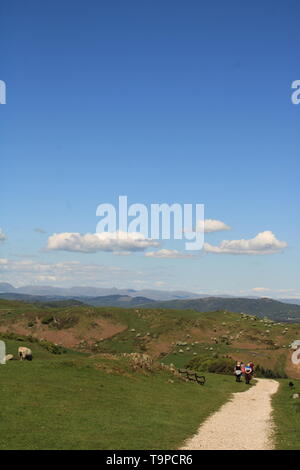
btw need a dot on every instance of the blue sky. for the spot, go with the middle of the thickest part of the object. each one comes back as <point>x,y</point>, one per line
<point>163,101</point>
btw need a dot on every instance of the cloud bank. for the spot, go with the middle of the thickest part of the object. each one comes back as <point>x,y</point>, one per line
<point>75,273</point>
<point>31,271</point>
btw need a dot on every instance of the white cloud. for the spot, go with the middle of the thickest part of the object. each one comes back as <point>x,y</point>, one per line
<point>167,254</point>
<point>46,278</point>
<point>2,235</point>
<point>260,289</point>
<point>106,241</point>
<point>262,244</point>
<point>210,225</point>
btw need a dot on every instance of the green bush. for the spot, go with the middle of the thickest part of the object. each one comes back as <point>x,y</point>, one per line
<point>221,366</point>
<point>47,320</point>
<point>269,373</point>
<point>226,366</point>
<point>52,348</point>
<point>217,366</point>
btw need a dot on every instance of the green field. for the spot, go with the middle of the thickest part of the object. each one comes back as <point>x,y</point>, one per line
<point>75,402</point>
<point>287,416</point>
<point>81,392</point>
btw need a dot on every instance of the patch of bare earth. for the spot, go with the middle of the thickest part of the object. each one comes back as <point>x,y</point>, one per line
<point>101,329</point>
<point>158,348</point>
<point>69,337</point>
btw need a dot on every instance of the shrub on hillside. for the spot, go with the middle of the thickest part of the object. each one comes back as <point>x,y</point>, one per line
<point>52,348</point>
<point>47,320</point>
<point>217,365</point>
<point>269,373</point>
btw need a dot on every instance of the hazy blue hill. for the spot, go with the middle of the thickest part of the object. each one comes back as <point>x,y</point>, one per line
<point>6,287</point>
<point>290,301</point>
<point>114,301</point>
<point>44,299</point>
<point>101,301</point>
<point>261,307</point>
<point>89,291</point>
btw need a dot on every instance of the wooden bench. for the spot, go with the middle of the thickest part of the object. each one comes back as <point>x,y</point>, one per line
<point>192,376</point>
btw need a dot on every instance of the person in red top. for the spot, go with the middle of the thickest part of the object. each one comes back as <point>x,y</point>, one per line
<point>248,373</point>
<point>252,366</point>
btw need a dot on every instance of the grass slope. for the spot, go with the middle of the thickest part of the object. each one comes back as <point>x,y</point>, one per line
<point>91,398</point>
<point>287,416</point>
<point>76,402</point>
<point>157,332</point>
<point>263,307</point>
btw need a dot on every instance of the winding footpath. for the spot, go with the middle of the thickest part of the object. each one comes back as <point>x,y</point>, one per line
<point>243,423</point>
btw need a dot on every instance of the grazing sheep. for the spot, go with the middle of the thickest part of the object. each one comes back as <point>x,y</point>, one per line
<point>24,353</point>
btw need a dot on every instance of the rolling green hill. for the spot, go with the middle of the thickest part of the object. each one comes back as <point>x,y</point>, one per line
<point>83,390</point>
<point>174,336</point>
<point>74,401</point>
<point>263,307</point>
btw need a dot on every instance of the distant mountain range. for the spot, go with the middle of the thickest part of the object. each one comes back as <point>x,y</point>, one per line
<point>96,292</point>
<point>124,301</point>
<point>261,307</point>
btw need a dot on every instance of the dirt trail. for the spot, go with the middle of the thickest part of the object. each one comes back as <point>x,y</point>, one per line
<point>243,423</point>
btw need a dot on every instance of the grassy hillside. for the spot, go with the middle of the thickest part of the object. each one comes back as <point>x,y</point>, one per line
<point>77,402</point>
<point>171,336</point>
<point>287,416</point>
<point>263,307</point>
<point>82,392</point>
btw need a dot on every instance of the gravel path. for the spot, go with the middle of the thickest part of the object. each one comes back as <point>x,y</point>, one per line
<point>243,423</point>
